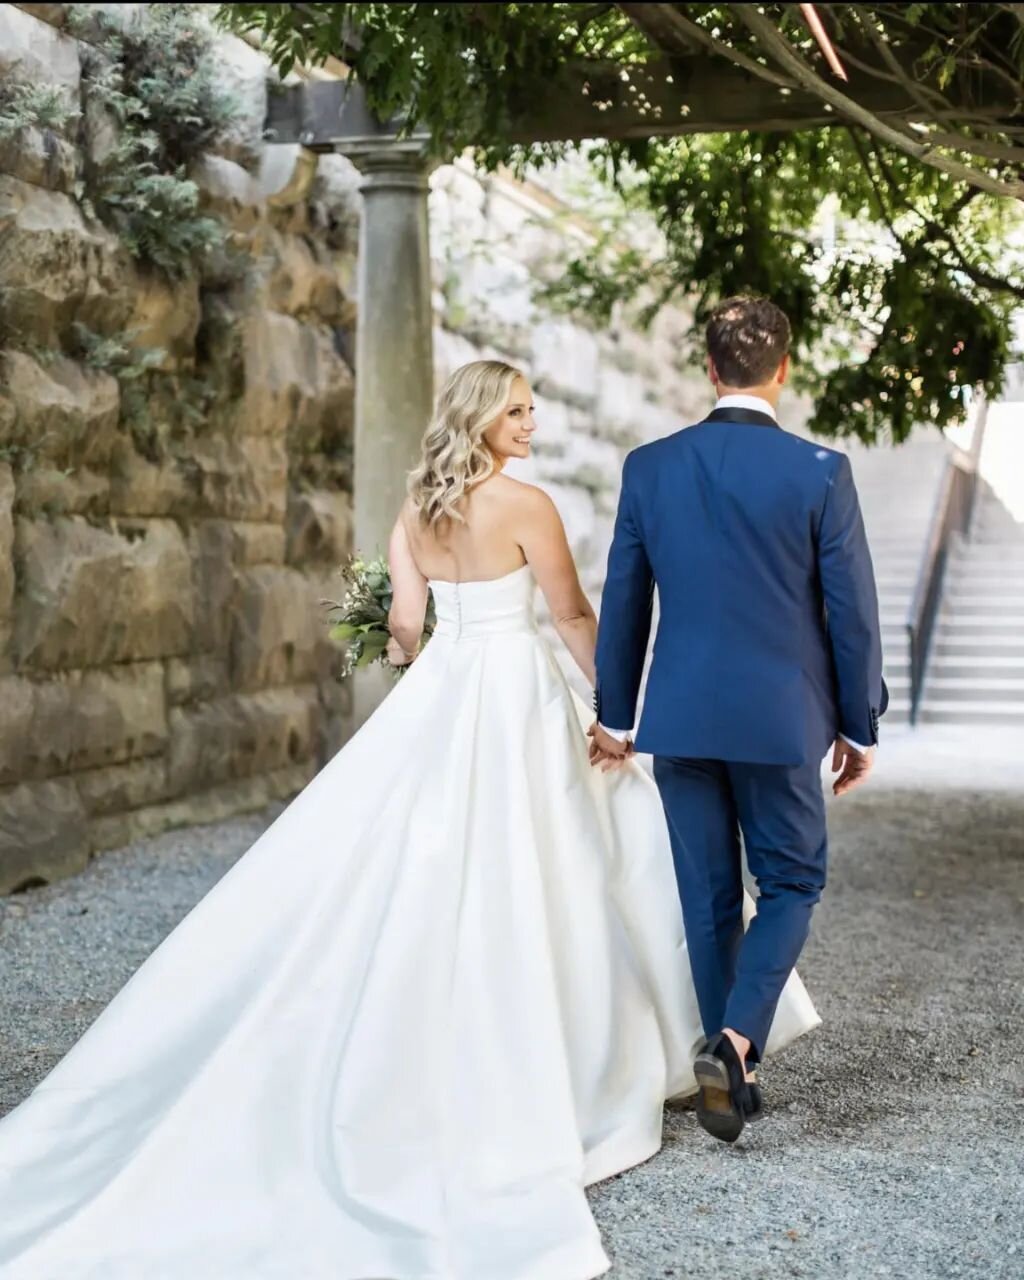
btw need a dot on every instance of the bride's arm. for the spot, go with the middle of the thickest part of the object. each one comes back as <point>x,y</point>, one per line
<point>409,592</point>
<point>542,538</point>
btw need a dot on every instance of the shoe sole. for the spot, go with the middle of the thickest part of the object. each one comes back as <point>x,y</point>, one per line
<point>717,1113</point>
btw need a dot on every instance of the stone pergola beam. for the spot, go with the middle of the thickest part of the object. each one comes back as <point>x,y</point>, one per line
<point>323,115</point>
<point>671,96</point>
<point>662,97</point>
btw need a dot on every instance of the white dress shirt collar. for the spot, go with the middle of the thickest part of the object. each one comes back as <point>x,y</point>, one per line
<point>746,402</point>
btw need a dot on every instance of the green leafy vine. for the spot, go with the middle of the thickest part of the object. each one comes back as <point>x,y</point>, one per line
<point>151,82</point>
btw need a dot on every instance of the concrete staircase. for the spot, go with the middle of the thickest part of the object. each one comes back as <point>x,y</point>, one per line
<point>898,489</point>
<point>976,667</point>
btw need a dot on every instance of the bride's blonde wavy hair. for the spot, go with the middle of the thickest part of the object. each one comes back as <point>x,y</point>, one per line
<point>454,456</point>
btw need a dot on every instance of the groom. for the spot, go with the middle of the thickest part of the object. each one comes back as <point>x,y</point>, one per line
<point>768,653</point>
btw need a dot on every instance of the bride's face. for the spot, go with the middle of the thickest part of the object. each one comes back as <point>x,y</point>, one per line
<point>509,435</point>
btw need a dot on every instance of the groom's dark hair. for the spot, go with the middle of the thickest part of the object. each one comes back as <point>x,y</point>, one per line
<point>747,338</point>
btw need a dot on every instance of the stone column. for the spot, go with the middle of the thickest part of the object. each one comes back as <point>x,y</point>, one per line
<point>394,343</point>
<point>394,349</point>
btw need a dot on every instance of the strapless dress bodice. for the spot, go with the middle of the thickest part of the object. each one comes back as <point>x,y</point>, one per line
<point>487,607</point>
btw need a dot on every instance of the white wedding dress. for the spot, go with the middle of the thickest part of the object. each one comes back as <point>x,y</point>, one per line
<point>443,992</point>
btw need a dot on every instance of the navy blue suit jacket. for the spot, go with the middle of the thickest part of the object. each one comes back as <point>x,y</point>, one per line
<point>768,643</point>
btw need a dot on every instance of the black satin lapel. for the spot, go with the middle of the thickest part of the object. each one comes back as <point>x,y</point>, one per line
<point>753,417</point>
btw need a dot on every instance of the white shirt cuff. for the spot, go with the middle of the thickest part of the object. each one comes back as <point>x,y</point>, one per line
<point>862,749</point>
<point>620,735</point>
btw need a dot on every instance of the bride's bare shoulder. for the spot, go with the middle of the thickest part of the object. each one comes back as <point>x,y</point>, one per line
<point>525,511</point>
<point>518,495</point>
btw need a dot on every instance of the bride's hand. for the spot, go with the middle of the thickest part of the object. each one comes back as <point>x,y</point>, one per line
<point>608,763</point>
<point>397,656</point>
<point>607,753</point>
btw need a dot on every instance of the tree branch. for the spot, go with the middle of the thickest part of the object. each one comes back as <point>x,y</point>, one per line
<point>919,93</point>
<point>783,52</point>
<point>990,150</point>
<point>935,230</point>
<point>883,206</point>
<point>658,20</point>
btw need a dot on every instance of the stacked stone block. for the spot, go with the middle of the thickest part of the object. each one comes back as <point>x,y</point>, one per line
<point>162,638</point>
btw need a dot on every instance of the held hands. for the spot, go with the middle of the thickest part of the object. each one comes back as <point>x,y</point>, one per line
<point>606,752</point>
<point>852,765</point>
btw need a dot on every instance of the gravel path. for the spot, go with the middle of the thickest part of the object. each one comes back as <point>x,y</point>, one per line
<point>894,1144</point>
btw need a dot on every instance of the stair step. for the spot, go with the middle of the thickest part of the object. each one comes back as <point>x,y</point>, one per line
<point>902,537</point>
<point>986,557</point>
<point>897,551</point>
<point>942,667</point>
<point>971,647</point>
<point>999,518</point>
<point>940,688</point>
<point>971,587</point>
<point>957,605</point>
<point>993,579</point>
<point>982,624</point>
<point>970,713</point>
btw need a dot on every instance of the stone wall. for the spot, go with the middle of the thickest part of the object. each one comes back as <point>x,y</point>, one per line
<point>163,657</point>
<point>162,643</point>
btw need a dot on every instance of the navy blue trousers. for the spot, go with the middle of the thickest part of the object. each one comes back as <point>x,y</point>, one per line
<point>780,811</point>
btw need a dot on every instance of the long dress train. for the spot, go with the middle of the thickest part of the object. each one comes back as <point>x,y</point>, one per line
<point>442,993</point>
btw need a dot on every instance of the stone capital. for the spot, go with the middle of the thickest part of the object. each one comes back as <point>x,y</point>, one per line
<point>390,164</point>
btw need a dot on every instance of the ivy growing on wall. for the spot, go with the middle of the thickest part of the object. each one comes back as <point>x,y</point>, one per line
<point>25,105</point>
<point>149,81</point>
<point>152,104</point>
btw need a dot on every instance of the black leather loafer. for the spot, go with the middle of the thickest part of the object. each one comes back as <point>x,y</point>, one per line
<point>722,1103</point>
<point>754,1104</point>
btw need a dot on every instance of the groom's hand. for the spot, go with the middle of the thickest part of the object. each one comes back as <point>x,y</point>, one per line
<point>606,751</point>
<point>853,766</point>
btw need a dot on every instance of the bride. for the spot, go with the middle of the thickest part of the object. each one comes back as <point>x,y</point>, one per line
<point>445,991</point>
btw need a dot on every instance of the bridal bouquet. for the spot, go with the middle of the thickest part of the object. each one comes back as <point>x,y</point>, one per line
<point>360,619</point>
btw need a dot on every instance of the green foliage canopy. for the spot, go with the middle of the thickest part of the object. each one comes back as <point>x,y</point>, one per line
<point>916,158</point>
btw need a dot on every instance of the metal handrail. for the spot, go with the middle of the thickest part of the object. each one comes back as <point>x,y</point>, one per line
<point>954,509</point>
